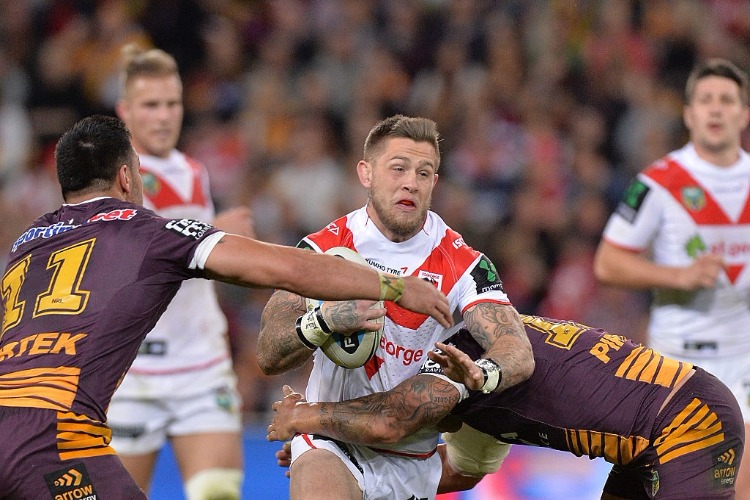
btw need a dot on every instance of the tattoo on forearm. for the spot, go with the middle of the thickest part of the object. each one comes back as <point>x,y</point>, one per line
<point>343,315</point>
<point>415,403</point>
<point>278,342</point>
<point>489,322</point>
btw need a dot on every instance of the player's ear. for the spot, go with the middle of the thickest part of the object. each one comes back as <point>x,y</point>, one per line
<point>124,181</point>
<point>364,171</point>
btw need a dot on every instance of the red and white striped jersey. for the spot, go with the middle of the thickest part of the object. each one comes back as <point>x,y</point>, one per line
<point>682,207</point>
<point>436,253</point>
<point>191,335</point>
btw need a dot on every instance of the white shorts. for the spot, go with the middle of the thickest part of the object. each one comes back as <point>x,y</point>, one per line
<point>143,425</point>
<point>379,475</point>
<point>734,371</point>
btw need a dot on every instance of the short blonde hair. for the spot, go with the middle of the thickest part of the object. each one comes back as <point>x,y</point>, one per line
<point>137,62</point>
<point>414,128</point>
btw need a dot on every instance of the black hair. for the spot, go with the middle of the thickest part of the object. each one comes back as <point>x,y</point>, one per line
<point>90,153</point>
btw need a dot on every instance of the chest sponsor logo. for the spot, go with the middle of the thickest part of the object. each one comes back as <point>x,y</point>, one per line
<point>405,355</point>
<point>434,278</point>
<point>70,483</point>
<point>632,200</point>
<point>693,198</point>
<point>386,269</point>
<point>188,227</point>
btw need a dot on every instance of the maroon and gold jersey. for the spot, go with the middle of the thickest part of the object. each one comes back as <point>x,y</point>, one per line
<point>597,394</point>
<point>592,393</point>
<point>82,288</point>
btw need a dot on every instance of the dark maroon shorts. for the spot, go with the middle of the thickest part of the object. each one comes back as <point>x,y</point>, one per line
<point>695,450</point>
<point>30,465</point>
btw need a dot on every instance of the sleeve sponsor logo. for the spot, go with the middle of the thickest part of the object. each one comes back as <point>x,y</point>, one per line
<point>485,276</point>
<point>188,227</point>
<point>632,200</point>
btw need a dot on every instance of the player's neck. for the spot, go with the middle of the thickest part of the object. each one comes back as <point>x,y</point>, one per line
<point>723,157</point>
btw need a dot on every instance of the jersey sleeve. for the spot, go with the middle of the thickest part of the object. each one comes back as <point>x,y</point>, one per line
<point>637,217</point>
<point>480,283</point>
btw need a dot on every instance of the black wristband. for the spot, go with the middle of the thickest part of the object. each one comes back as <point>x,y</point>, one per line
<point>323,325</point>
<point>302,337</point>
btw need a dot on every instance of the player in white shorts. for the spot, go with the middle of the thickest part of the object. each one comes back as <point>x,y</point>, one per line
<point>181,387</point>
<point>691,210</point>
<point>398,234</point>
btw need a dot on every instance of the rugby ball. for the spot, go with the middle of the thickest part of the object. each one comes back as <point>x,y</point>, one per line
<point>350,351</point>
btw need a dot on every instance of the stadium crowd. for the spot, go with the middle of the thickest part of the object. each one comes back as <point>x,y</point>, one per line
<point>546,108</point>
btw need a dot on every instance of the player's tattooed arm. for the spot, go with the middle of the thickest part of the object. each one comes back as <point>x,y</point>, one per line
<point>499,330</point>
<point>376,419</point>
<point>279,348</point>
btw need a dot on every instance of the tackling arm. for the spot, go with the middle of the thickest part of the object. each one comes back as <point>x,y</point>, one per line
<point>499,330</point>
<point>375,419</point>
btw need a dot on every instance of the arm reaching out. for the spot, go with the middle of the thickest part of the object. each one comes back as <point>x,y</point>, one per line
<point>375,419</point>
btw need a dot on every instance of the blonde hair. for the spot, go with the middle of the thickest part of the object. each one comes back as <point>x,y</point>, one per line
<point>137,62</point>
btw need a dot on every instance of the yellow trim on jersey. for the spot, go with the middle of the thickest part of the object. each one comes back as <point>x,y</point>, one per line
<point>78,436</point>
<point>696,427</point>
<point>49,388</point>
<point>645,365</point>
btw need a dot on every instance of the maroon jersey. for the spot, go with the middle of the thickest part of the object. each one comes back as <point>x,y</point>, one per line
<point>602,395</point>
<point>82,288</point>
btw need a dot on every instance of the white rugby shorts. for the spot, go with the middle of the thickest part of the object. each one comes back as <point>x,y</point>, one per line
<point>379,475</point>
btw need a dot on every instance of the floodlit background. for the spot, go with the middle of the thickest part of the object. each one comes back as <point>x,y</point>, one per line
<point>547,109</point>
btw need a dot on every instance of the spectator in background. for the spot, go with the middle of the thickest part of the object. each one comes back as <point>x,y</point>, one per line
<point>181,386</point>
<point>691,211</point>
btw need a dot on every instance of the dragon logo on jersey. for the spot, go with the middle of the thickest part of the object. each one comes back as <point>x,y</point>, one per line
<point>632,200</point>
<point>434,278</point>
<point>485,276</point>
<point>693,198</point>
<point>151,184</point>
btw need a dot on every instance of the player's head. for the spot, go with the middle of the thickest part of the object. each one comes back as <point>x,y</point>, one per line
<point>399,169</point>
<point>716,106</point>
<point>91,155</point>
<point>151,99</point>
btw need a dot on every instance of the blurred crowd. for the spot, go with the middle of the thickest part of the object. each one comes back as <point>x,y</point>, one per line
<point>547,108</point>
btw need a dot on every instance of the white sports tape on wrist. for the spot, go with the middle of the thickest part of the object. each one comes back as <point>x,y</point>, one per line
<point>312,329</point>
<point>474,453</point>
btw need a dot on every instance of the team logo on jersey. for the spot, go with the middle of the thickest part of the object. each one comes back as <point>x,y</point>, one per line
<point>188,227</point>
<point>485,276</point>
<point>725,468</point>
<point>151,184</point>
<point>434,278</point>
<point>632,200</point>
<point>71,482</point>
<point>694,198</point>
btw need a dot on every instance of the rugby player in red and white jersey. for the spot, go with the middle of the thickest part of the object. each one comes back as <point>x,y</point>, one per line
<point>683,230</point>
<point>182,386</point>
<point>398,234</point>
<point>85,284</point>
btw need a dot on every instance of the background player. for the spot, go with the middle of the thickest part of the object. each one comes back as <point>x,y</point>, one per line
<point>672,430</point>
<point>84,285</point>
<point>691,209</point>
<point>181,386</point>
<point>395,232</point>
